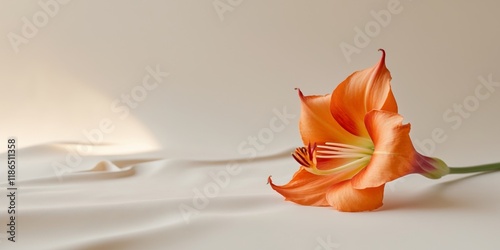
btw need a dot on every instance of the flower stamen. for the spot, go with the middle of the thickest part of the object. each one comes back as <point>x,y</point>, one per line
<point>343,149</point>
<point>305,155</point>
<point>339,150</point>
<point>344,145</point>
<point>332,155</point>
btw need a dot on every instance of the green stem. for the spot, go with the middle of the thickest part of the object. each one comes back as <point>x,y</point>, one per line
<point>474,169</point>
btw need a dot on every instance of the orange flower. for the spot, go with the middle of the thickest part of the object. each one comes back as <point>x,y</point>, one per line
<point>355,143</point>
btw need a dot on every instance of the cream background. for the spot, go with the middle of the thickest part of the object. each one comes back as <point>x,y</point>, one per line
<point>225,79</point>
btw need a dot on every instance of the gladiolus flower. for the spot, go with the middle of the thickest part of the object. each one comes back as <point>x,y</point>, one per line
<point>354,143</point>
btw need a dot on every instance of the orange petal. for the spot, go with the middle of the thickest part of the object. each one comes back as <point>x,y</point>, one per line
<point>390,104</point>
<point>325,164</point>
<point>309,189</point>
<point>317,124</point>
<point>394,153</point>
<point>345,198</point>
<point>360,93</point>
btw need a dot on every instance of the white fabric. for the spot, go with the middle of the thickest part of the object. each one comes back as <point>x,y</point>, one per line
<point>135,202</point>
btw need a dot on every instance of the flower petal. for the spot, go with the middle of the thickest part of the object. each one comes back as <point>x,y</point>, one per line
<point>309,189</point>
<point>390,104</point>
<point>343,197</point>
<point>394,155</point>
<point>317,127</point>
<point>360,93</point>
<point>316,123</point>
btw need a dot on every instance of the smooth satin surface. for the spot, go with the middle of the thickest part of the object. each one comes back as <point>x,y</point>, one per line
<point>133,202</point>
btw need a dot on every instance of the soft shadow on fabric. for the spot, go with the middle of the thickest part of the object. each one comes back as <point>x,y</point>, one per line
<point>435,197</point>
